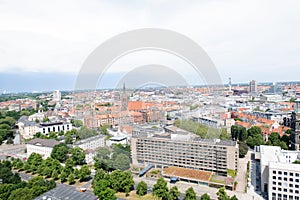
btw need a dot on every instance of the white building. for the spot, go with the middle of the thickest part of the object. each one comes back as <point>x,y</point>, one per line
<point>56,95</point>
<point>28,129</point>
<point>90,146</point>
<point>41,146</point>
<point>279,176</point>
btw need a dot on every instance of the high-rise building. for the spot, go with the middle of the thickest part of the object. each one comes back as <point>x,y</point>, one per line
<point>295,126</point>
<point>124,99</point>
<point>56,95</point>
<point>253,87</point>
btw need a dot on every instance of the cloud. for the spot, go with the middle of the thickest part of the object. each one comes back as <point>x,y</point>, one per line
<point>242,37</point>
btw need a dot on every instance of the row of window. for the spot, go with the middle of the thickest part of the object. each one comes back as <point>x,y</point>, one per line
<point>286,173</point>
<point>284,197</point>
<point>285,179</point>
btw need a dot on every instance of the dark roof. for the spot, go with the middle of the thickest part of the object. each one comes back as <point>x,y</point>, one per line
<point>62,192</point>
<point>43,142</point>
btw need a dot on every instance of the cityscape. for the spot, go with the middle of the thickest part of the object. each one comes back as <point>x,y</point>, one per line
<point>147,106</point>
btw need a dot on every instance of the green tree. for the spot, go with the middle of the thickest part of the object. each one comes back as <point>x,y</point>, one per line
<point>59,152</point>
<point>54,174</point>
<point>47,172</point>
<point>234,198</point>
<point>243,149</point>
<point>173,193</point>
<point>122,162</point>
<point>68,139</point>
<point>71,179</point>
<point>21,194</point>
<point>84,172</point>
<point>78,155</point>
<point>205,197</point>
<point>160,189</point>
<point>107,194</point>
<point>141,188</point>
<point>63,176</point>
<point>190,194</point>
<point>222,195</point>
<point>254,130</point>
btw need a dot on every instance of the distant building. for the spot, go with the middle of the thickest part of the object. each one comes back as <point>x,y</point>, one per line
<point>117,140</point>
<point>295,125</point>
<point>280,178</point>
<point>41,146</point>
<point>195,153</point>
<point>253,87</point>
<point>56,95</point>
<point>124,99</point>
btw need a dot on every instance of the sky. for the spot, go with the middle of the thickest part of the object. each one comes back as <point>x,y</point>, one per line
<point>43,44</point>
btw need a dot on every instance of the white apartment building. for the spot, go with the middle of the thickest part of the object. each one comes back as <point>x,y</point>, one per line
<point>90,146</point>
<point>41,146</point>
<point>279,176</point>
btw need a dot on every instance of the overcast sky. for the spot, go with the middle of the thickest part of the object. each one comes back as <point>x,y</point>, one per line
<point>253,39</point>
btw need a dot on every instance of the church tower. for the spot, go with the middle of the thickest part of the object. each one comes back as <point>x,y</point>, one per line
<point>124,99</point>
<point>295,125</point>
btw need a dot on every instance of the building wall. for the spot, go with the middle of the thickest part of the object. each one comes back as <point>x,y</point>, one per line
<point>284,183</point>
<point>195,155</point>
<point>45,152</point>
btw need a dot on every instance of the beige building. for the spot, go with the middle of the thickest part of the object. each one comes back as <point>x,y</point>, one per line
<point>164,150</point>
<point>41,146</point>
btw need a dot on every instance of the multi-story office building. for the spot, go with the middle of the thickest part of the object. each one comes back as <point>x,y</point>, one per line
<point>280,178</point>
<point>253,87</point>
<point>195,153</point>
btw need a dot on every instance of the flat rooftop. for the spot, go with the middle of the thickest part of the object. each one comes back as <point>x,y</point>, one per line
<point>187,173</point>
<point>62,192</point>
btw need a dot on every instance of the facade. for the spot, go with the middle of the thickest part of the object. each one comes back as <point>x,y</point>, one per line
<point>253,87</point>
<point>28,129</point>
<point>90,146</point>
<point>164,150</point>
<point>279,176</point>
<point>284,181</point>
<point>41,146</point>
<point>295,125</point>
<point>56,95</point>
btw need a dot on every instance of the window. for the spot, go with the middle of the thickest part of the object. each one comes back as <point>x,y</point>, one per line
<point>291,179</point>
<point>285,179</point>
<point>279,172</point>
<point>285,173</point>
<point>274,172</point>
<point>274,188</point>
<point>279,178</point>
<point>291,174</point>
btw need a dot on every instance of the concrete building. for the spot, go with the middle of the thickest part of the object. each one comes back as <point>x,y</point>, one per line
<point>164,150</point>
<point>41,146</point>
<point>253,87</point>
<point>279,176</point>
<point>90,146</point>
